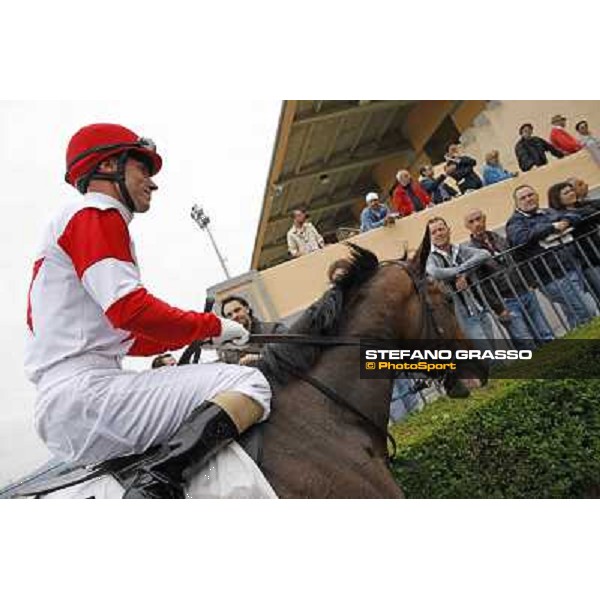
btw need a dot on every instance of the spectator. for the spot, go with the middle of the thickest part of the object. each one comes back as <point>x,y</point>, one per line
<point>531,149</point>
<point>493,171</point>
<point>463,173</point>
<point>405,397</point>
<point>523,316</point>
<point>589,141</point>
<point>238,309</point>
<point>164,360</point>
<point>561,139</point>
<point>582,190</point>
<point>438,190</point>
<point>450,264</point>
<point>303,237</point>
<point>562,197</point>
<point>375,214</point>
<point>409,196</point>
<point>536,231</point>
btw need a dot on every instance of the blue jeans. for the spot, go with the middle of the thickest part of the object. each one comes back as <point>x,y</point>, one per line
<point>522,328</point>
<point>569,293</point>
<point>404,398</point>
<point>477,327</point>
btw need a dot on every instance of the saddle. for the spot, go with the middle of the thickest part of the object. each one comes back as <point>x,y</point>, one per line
<point>126,469</point>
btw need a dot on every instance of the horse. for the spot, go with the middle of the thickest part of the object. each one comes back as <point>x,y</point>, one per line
<point>316,446</point>
<point>327,434</point>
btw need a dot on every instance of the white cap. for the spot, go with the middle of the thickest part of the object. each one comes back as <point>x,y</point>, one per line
<point>372,196</point>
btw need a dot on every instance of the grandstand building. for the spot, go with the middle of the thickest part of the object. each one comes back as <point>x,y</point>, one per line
<point>329,153</point>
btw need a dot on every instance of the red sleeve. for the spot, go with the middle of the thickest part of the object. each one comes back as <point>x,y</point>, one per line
<point>148,317</point>
<point>93,235</point>
<point>144,346</point>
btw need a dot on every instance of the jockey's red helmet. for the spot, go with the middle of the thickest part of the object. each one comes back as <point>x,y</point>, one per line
<point>94,143</point>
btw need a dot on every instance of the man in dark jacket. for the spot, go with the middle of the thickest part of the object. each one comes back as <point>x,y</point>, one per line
<point>544,241</point>
<point>436,187</point>
<point>239,311</point>
<point>463,169</point>
<point>523,317</point>
<point>531,149</point>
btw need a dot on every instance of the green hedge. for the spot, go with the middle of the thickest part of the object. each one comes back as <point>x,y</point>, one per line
<point>515,439</point>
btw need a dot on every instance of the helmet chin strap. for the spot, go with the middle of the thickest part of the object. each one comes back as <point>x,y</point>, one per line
<point>118,178</point>
<point>121,183</point>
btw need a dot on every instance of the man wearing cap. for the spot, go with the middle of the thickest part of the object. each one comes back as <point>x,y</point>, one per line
<point>375,214</point>
<point>531,149</point>
<point>561,138</point>
<point>87,309</point>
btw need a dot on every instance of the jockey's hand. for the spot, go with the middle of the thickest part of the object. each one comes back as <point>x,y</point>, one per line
<point>249,359</point>
<point>233,332</point>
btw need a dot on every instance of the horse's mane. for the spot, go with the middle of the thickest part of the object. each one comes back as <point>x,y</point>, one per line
<point>322,318</point>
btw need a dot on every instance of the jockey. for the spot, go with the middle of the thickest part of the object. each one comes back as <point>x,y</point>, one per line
<point>87,308</point>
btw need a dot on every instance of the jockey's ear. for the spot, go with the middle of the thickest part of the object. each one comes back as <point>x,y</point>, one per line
<point>109,165</point>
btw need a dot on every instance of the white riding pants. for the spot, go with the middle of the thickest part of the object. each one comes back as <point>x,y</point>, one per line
<point>89,410</point>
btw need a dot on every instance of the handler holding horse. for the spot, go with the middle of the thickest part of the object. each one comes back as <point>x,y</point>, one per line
<point>87,308</point>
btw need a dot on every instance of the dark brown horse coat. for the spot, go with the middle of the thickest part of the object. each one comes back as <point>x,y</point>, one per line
<point>314,448</point>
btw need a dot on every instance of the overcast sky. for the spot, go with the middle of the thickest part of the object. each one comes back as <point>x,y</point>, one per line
<point>216,153</point>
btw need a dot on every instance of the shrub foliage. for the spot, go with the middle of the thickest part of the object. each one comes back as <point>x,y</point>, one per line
<point>516,439</point>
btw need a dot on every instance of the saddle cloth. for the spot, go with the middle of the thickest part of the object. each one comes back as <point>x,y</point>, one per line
<point>230,474</point>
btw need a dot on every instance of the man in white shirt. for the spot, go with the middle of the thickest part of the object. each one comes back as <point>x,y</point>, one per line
<point>303,237</point>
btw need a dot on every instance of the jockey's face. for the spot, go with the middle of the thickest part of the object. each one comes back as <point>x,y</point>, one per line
<point>139,184</point>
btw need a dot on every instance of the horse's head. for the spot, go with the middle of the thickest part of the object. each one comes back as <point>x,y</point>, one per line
<point>395,300</point>
<point>440,305</point>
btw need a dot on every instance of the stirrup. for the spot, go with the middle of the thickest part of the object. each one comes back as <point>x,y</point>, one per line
<point>208,429</point>
<point>150,484</point>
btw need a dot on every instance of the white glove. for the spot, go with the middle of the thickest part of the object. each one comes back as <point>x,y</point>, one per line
<point>233,332</point>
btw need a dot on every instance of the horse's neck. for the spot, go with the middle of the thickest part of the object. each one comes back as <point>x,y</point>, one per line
<point>339,369</point>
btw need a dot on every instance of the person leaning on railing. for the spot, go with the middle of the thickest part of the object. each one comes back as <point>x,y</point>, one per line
<point>463,169</point>
<point>562,197</point>
<point>493,171</point>
<point>436,187</point>
<point>375,214</point>
<point>531,149</point>
<point>453,265</point>
<point>522,316</point>
<point>303,237</point>
<point>543,240</point>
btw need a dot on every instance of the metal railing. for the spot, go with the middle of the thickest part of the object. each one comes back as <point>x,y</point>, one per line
<point>540,292</point>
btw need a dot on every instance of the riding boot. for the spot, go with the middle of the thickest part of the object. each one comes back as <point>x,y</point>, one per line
<point>208,429</point>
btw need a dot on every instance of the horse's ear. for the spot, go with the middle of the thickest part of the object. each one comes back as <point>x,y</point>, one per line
<point>419,261</point>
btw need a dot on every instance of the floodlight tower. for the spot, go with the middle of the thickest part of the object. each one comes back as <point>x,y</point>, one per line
<point>203,220</point>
